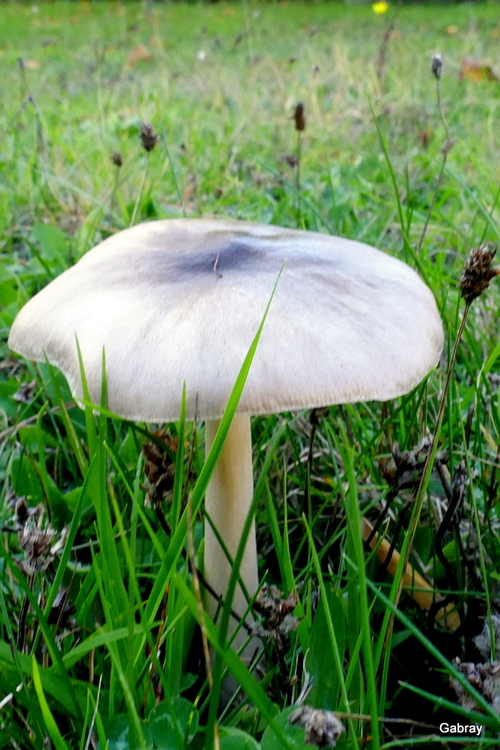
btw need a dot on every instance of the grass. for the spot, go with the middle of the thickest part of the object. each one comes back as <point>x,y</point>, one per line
<point>98,638</point>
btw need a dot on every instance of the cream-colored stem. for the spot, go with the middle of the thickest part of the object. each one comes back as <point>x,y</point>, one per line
<point>227,502</point>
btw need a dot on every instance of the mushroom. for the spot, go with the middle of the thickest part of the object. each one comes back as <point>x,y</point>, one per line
<point>180,301</point>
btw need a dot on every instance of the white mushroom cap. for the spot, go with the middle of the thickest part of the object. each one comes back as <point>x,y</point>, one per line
<point>181,300</point>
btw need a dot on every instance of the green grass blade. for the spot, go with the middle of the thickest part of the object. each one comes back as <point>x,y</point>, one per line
<point>48,718</point>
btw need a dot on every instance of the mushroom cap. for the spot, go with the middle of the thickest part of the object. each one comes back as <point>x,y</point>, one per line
<point>181,300</point>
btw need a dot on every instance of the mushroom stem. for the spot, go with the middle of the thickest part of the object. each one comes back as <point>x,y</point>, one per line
<point>228,499</point>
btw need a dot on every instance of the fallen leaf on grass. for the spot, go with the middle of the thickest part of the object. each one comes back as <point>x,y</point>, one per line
<point>139,54</point>
<point>475,70</point>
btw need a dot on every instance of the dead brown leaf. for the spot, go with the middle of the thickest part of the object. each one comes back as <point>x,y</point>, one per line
<point>139,54</point>
<point>475,70</point>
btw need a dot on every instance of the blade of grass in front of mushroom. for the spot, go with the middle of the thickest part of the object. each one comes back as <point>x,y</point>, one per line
<point>96,436</point>
<point>180,533</point>
<point>217,446</point>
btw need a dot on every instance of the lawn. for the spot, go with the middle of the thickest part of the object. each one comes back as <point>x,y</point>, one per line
<point>100,644</point>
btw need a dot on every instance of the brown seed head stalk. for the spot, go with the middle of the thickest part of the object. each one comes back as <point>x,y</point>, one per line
<point>149,138</point>
<point>478,272</point>
<point>299,117</point>
<point>436,66</point>
<point>117,159</point>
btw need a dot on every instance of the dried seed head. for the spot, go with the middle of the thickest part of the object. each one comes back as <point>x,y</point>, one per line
<point>149,138</point>
<point>276,612</point>
<point>436,66</point>
<point>318,414</point>
<point>36,542</point>
<point>159,467</point>
<point>485,678</point>
<point>323,728</point>
<point>299,117</point>
<point>477,272</point>
<point>117,158</point>
<point>272,606</point>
